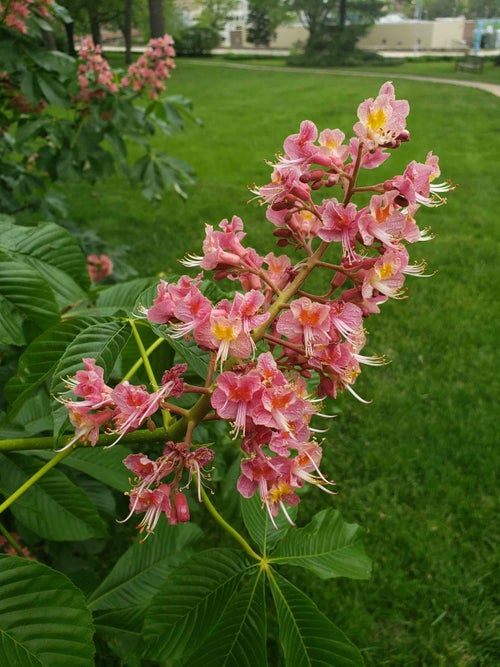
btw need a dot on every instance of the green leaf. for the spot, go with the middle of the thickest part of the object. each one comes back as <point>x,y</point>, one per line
<point>54,507</point>
<point>124,295</point>
<point>35,415</point>
<point>53,91</point>
<point>239,639</point>
<point>308,637</point>
<point>327,546</point>
<point>186,610</point>
<point>55,255</point>
<point>24,292</point>
<point>40,359</point>
<point>43,617</point>
<point>104,465</point>
<point>11,324</point>
<point>145,566</point>
<point>102,342</point>
<point>259,525</point>
<point>29,87</point>
<point>195,358</point>
<point>121,629</point>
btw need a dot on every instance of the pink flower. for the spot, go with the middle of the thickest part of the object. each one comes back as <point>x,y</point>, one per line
<point>299,148</point>
<point>340,223</point>
<point>384,221</point>
<point>86,423</point>
<point>233,396</point>
<point>347,319</point>
<point>306,319</point>
<point>99,267</point>
<point>133,405</point>
<point>89,385</point>
<point>154,503</point>
<point>382,120</point>
<point>386,276</point>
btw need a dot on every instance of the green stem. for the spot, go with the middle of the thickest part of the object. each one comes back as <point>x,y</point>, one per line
<point>289,292</point>
<point>166,416</point>
<point>144,355</point>
<point>140,361</point>
<point>47,442</point>
<point>34,478</point>
<point>227,527</point>
<point>12,540</point>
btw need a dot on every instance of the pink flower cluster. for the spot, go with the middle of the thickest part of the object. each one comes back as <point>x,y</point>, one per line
<point>279,350</point>
<point>120,410</point>
<point>95,76</point>
<point>7,548</point>
<point>153,496</point>
<point>152,67</point>
<point>16,14</point>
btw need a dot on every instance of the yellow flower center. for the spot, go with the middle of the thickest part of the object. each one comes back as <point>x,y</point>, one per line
<point>224,331</point>
<point>376,119</point>
<point>385,271</point>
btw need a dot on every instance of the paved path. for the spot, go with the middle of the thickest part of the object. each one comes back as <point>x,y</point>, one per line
<point>488,87</point>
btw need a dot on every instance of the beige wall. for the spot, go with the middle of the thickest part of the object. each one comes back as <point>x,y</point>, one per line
<point>443,34</point>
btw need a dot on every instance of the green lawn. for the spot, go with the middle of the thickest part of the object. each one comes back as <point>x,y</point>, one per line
<point>416,467</point>
<point>431,66</point>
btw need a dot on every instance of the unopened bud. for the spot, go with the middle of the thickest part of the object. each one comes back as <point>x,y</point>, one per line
<point>281,205</point>
<point>282,233</point>
<point>181,507</point>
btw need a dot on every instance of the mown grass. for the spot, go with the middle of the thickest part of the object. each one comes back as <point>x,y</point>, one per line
<point>432,66</point>
<point>416,467</point>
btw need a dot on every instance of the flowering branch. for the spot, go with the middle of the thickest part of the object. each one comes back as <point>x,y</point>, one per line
<point>275,350</point>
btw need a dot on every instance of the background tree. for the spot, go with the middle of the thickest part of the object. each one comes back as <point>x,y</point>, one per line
<point>264,17</point>
<point>65,118</point>
<point>215,13</point>
<point>90,15</point>
<point>334,28</point>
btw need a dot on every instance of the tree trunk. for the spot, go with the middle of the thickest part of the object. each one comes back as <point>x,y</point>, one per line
<point>95,28</point>
<point>342,13</point>
<point>49,41</point>
<point>70,36</point>
<point>127,31</point>
<point>156,18</point>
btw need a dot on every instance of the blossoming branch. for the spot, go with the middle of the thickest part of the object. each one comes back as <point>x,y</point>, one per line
<point>276,350</point>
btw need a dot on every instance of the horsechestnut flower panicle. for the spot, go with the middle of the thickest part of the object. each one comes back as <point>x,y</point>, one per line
<point>274,350</point>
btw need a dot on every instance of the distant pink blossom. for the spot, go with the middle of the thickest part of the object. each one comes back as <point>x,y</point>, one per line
<point>99,267</point>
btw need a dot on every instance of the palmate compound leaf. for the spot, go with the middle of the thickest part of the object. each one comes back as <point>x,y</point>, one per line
<point>259,524</point>
<point>186,610</point>
<point>239,639</point>
<point>25,299</point>
<point>125,295</point>
<point>121,629</point>
<point>43,618</point>
<point>54,507</point>
<point>120,603</point>
<point>327,546</point>
<point>145,566</point>
<point>308,638</point>
<point>105,465</point>
<point>53,252</point>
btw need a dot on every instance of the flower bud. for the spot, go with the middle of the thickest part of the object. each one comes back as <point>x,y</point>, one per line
<point>181,507</point>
